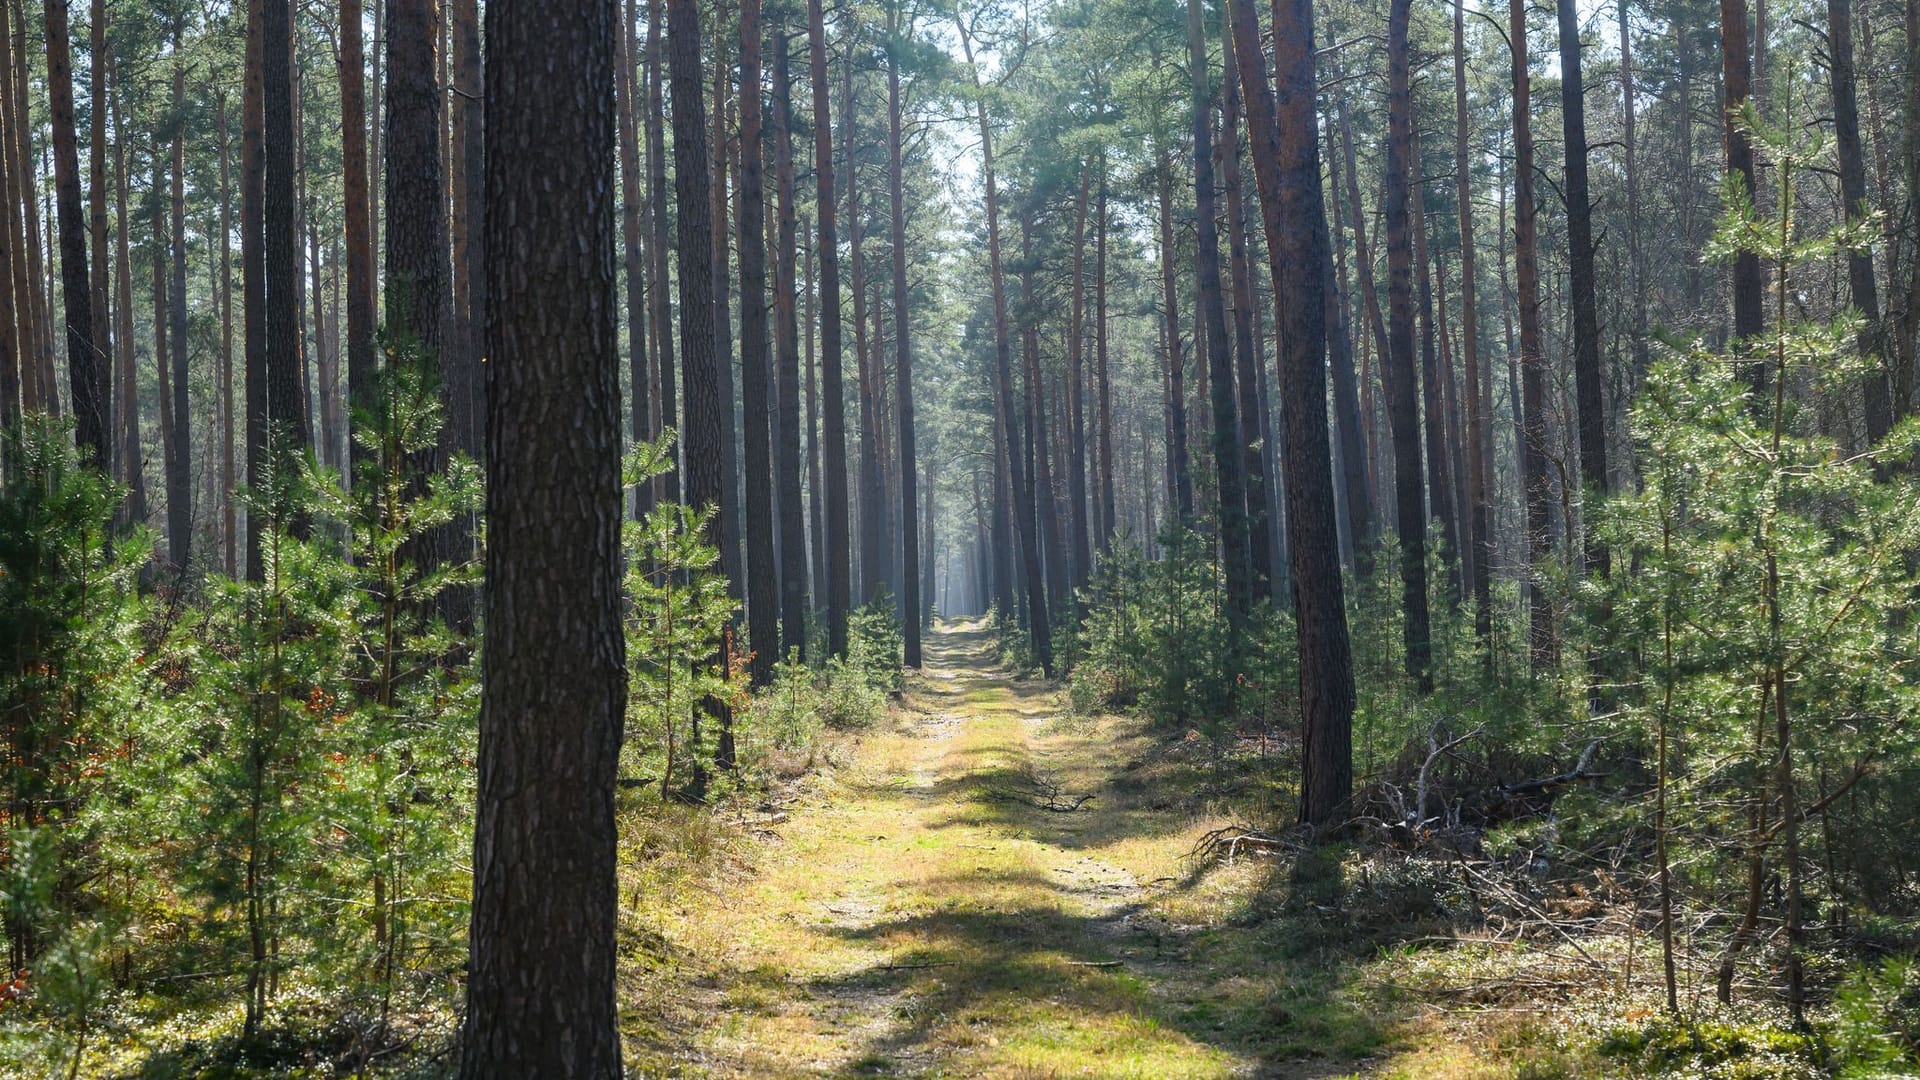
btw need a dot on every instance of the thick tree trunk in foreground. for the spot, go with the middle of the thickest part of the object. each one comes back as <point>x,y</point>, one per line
<point>180,469</point>
<point>1286,162</point>
<point>540,999</point>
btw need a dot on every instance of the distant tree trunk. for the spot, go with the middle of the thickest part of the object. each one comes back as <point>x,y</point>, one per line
<point>39,383</point>
<point>99,282</point>
<point>731,555</point>
<point>282,240</point>
<point>699,339</point>
<point>540,996</point>
<point>86,366</point>
<point>1853,191</point>
<point>1039,629</point>
<point>132,467</point>
<point>1749,279</point>
<point>14,344</point>
<point>1636,269</point>
<point>1541,642</point>
<point>1229,449</point>
<point>230,553</point>
<point>172,426</point>
<point>756,369</point>
<point>1180,480</point>
<point>664,402</point>
<point>416,231</point>
<point>1361,531</point>
<point>1046,505</point>
<point>466,169</point>
<point>1397,364</point>
<point>253,269</point>
<point>1479,439</point>
<point>838,581</point>
<point>903,359</point>
<point>1100,370</point>
<point>180,468</point>
<point>326,359</point>
<point>1286,162</point>
<point>1905,380</point>
<point>816,510</point>
<point>872,546</point>
<point>1254,432</point>
<point>1076,397</point>
<point>1440,496</point>
<point>363,364</point>
<point>793,529</point>
<point>633,249</point>
<point>1580,280</point>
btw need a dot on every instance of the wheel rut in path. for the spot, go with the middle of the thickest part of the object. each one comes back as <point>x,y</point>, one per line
<point>951,905</point>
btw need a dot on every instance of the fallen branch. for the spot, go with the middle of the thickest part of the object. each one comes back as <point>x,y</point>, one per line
<point>1578,773</point>
<point>1227,842</point>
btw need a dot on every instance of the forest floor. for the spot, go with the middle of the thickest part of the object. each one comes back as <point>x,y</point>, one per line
<point>988,886</point>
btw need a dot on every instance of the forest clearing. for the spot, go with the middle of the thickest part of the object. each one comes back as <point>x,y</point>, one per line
<point>950,538</point>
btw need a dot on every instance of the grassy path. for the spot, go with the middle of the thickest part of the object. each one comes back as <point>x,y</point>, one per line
<point>930,915</point>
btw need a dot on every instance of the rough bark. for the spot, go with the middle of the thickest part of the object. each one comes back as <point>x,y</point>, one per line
<point>699,340</point>
<point>540,996</point>
<point>285,410</point>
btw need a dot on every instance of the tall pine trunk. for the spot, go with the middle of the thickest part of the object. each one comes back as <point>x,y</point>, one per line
<point>1286,161</point>
<point>838,582</point>
<point>540,994</point>
<point>1397,366</point>
<point>1229,450</point>
<point>1039,630</point>
<point>787,461</point>
<point>86,366</point>
<point>1537,481</point>
<point>903,358</point>
<point>756,369</point>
